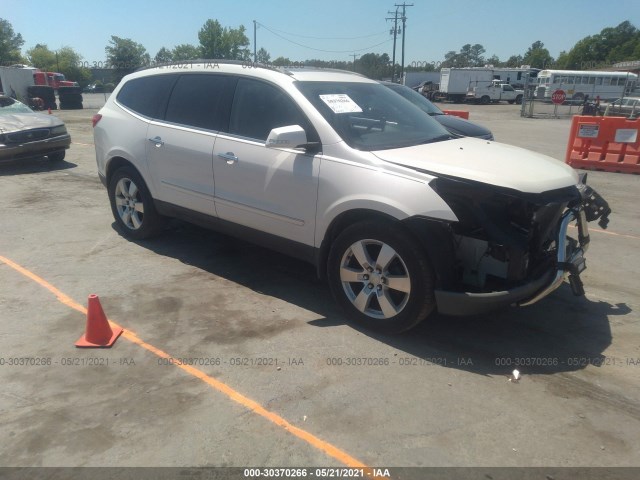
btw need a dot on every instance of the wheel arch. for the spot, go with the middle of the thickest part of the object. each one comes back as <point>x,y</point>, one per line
<point>435,236</point>
<point>118,162</point>
<point>337,225</point>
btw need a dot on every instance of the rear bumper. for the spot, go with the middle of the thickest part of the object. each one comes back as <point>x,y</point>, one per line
<point>569,260</point>
<point>39,148</point>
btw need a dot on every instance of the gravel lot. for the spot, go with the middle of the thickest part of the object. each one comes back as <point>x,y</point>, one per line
<point>258,324</point>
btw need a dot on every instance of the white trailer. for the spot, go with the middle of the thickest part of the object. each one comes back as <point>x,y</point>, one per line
<point>456,82</point>
<point>14,82</point>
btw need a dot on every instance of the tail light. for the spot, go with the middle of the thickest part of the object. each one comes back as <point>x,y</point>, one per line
<point>95,119</point>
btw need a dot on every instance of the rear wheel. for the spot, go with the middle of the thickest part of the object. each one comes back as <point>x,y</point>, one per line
<point>380,276</point>
<point>132,205</point>
<point>519,99</point>
<point>484,100</point>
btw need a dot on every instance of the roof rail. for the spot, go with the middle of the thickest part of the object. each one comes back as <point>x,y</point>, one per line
<point>304,68</point>
<point>219,61</point>
<point>289,70</point>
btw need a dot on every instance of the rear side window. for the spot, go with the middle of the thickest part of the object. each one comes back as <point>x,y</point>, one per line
<point>148,95</point>
<point>201,101</point>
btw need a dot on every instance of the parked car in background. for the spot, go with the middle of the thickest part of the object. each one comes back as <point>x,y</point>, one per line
<point>28,134</point>
<point>94,88</point>
<point>455,125</point>
<point>622,107</point>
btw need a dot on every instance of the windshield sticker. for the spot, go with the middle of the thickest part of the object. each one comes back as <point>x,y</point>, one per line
<point>340,103</point>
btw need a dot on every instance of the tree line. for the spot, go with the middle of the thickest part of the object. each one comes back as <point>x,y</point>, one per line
<point>611,45</point>
<point>124,55</point>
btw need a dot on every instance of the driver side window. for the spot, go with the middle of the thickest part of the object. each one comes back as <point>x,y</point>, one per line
<point>258,107</point>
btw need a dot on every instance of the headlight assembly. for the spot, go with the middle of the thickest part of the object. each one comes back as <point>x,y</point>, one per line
<point>58,130</point>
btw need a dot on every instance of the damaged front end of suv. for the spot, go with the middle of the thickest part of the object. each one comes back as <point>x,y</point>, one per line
<point>509,247</point>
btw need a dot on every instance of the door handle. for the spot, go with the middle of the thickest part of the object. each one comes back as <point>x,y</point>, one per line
<point>229,157</point>
<point>157,140</point>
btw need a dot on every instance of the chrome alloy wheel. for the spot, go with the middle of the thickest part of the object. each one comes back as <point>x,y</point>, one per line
<point>375,279</point>
<point>129,203</point>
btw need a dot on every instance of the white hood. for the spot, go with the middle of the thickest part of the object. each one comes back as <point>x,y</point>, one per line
<point>487,162</point>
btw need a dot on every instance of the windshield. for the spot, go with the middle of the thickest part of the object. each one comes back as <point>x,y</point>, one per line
<point>369,116</point>
<point>414,97</point>
<point>9,105</point>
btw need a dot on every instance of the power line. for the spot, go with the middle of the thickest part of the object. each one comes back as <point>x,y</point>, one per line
<point>271,29</point>
<point>322,50</point>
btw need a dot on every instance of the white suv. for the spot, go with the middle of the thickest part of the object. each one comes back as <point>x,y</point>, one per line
<point>338,170</point>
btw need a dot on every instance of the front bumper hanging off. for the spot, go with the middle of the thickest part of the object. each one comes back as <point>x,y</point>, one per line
<point>570,261</point>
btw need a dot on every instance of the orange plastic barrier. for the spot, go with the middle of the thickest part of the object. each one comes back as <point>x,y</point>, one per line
<point>611,144</point>
<point>458,113</point>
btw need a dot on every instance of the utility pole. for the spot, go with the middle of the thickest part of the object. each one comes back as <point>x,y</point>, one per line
<point>354,55</point>
<point>255,55</point>
<point>404,28</point>
<point>395,34</point>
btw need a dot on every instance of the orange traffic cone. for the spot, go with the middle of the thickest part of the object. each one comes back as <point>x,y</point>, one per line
<point>98,332</point>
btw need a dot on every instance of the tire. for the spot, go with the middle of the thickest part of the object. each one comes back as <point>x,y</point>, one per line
<point>68,90</point>
<point>70,97</point>
<point>511,102</point>
<point>71,106</point>
<point>361,286</point>
<point>50,104</point>
<point>57,156</point>
<point>132,205</point>
<point>519,99</point>
<point>485,100</point>
<point>44,92</point>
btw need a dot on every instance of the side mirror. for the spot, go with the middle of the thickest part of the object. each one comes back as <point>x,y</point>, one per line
<point>291,136</point>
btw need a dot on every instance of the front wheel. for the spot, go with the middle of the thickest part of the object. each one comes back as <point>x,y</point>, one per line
<point>380,276</point>
<point>132,205</point>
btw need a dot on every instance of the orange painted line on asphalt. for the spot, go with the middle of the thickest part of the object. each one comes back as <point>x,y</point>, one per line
<point>597,230</point>
<point>221,387</point>
<point>62,298</point>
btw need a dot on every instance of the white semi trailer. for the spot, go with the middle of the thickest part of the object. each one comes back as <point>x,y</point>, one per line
<point>14,82</point>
